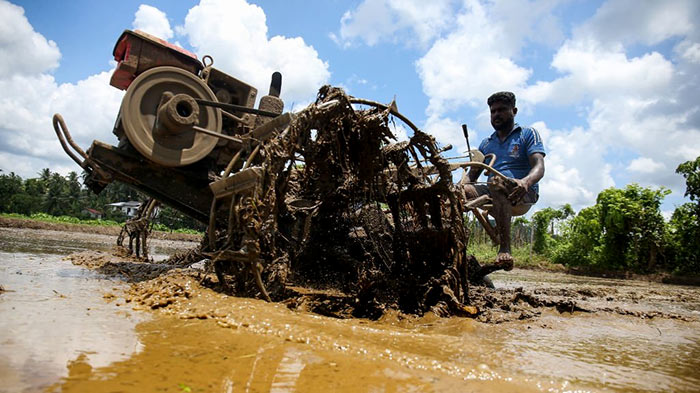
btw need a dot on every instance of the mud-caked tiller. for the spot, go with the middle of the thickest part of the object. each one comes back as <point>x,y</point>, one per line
<point>180,126</point>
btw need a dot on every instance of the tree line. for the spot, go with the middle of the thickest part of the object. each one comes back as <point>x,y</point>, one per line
<point>57,195</point>
<point>624,230</point>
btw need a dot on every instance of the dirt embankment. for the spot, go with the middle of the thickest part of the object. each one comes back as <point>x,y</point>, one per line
<point>6,222</point>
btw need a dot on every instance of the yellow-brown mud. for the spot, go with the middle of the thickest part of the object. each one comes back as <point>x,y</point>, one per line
<point>202,356</point>
<point>211,342</point>
<point>182,334</point>
<point>206,341</point>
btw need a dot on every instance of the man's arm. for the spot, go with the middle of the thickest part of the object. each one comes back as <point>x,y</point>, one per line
<point>536,173</point>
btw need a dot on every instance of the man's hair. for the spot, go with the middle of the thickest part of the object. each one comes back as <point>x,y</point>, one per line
<point>505,97</point>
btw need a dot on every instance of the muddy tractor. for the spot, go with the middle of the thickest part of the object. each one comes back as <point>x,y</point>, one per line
<point>322,198</point>
<point>180,123</point>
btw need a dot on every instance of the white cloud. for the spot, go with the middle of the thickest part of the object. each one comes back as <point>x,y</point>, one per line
<point>448,131</point>
<point>689,51</point>
<point>152,21</point>
<point>645,165</point>
<point>450,79</point>
<point>646,103</point>
<point>409,21</point>
<point>32,96</point>
<point>593,71</point>
<point>477,58</point>
<point>27,106</point>
<point>575,168</point>
<point>235,34</point>
<point>23,51</point>
<point>649,22</point>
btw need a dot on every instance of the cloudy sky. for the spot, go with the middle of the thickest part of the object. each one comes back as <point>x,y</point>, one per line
<point>612,86</point>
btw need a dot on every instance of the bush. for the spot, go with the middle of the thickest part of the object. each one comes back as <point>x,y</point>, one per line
<point>623,231</point>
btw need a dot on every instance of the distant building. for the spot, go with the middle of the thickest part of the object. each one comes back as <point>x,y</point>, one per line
<point>96,214</point>
<point>129,208</point>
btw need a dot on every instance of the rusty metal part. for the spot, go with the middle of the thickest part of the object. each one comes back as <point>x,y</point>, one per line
<point>59,126</point>
<point>478,202</point>
<point>323,197</point>
<point>391,107</point>
<point>466,137</point>
<point>271,102</point>
<point>317,195</point>
<point>239,182</point>
<point>168,139</point>
<point>136,52</point>
<point>482,166</point>
<point>490,229</point>
<point>65,138</point>
<point>215,134</point>
<point>237,108</point>
<point>178,187</point>
<point>138,228</point>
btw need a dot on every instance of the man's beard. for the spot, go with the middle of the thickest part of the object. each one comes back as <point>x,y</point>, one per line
<point>503,126</point>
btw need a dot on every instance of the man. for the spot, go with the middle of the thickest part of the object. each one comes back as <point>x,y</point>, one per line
<point>519,156</point>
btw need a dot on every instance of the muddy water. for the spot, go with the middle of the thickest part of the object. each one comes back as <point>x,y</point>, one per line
<point>95,334</point>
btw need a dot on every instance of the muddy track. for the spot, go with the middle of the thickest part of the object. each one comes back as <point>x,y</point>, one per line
<point>174,290</point>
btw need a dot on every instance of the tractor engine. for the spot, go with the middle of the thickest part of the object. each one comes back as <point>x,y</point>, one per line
<point>180,124</point>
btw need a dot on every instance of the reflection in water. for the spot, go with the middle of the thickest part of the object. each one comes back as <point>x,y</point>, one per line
<point>52,313</point>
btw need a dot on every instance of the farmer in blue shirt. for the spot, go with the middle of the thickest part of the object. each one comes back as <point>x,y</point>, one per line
<point>519,156</point>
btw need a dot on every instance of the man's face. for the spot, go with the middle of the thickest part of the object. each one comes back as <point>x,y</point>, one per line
<point>502,116</point>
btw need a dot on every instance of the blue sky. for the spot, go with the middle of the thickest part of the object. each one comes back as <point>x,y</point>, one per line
<point>611,85</point>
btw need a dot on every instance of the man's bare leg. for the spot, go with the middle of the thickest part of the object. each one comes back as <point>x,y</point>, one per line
<point>501,212</point>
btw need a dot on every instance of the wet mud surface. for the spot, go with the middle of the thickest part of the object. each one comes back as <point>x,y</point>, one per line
<point>158,285</point>
<point>157,327</point>
<point>86,230</point>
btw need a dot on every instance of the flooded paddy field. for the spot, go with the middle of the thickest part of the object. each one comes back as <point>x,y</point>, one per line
<point>69,325</point>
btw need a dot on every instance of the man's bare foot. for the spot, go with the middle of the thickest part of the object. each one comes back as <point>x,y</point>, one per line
<point>505,261</point>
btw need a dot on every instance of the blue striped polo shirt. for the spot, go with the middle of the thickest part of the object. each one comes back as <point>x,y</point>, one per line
<point>512,154</point>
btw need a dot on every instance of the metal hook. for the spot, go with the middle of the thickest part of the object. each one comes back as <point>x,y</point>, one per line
<point>204,61</point>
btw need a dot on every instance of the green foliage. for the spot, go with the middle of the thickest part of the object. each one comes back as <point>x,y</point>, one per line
<point>684,227</point>
<point>486,253</point>
<point>684,238</point>
<point>60,219</point>
<point>544,221</point>
<point>691,171</point>
<point>55,198</point>
<point>172,219</point>
<point>623,231</point>
<point>633,227</point>
<point>9,185</point>
<point>581,239</point>
<point>521,232</point>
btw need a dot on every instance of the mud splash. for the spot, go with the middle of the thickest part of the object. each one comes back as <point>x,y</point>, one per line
<point>165,285</point>
<point>555,337</point>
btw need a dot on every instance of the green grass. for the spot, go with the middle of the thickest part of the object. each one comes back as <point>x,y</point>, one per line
<point>74,220</point>
<point>485,252</point>
<point>163,228</point>
<point>60,219</point>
